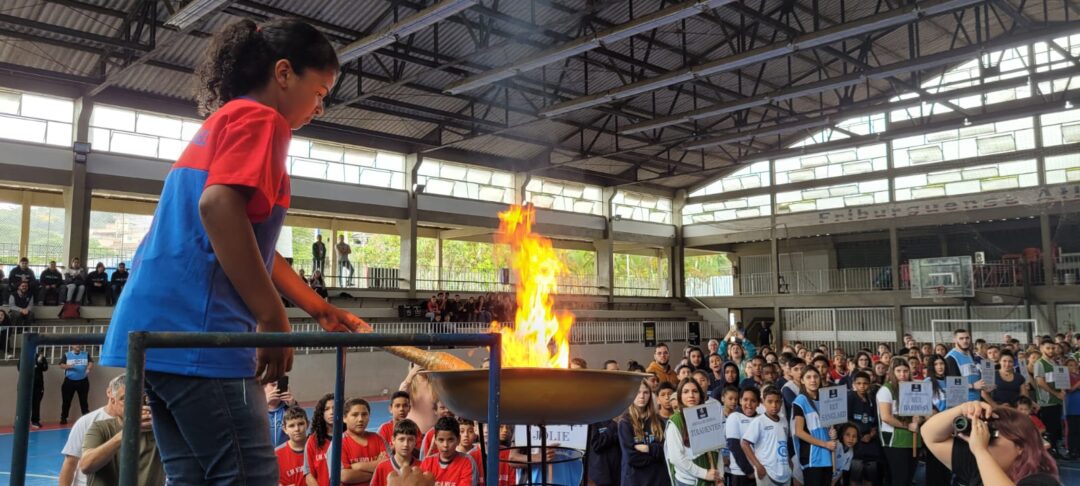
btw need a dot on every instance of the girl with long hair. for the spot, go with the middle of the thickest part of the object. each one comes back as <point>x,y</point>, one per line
<point>684,469</point>
<point>1011,452</point>
<point>936,472</point>
<point>696,359</point>
<point>814,442</point>
<point>318,443</point>
<point>898,434</point>
<point>716,372</point>
<point>641,439</point>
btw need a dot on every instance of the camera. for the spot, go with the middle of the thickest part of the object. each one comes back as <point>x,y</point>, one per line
<point>962,425</point>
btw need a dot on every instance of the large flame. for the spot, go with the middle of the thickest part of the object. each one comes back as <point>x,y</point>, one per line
<point>539,337</point>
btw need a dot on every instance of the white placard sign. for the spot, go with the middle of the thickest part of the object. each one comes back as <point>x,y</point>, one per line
<point>832,405</point>
<point>987,373</point>
<point>572,436</point>
<point>1061,378</point>
<point>916,399</point>
<point>705,425</point>
<point>956,391</point>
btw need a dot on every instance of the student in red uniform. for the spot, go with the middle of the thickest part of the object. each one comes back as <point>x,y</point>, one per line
<point>215,228</point>
<point>317,448</point>
<point>290,455</point>
<point>400,406</point>
<point>469,445</point>
<point>361,451</point>
<point>427,446</point>
<point>450,467</point>
<point>404,447</point>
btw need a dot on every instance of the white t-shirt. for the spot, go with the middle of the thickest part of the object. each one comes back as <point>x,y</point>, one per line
<point>843,462</point>
<point>735,428</point>
<point>77,436</point>
<point>885,396</point>
<point>770,446</point>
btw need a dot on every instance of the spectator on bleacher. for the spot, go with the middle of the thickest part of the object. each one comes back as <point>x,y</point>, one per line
<point>21,303</point>
<point>318,254</point>
<point>22,273</point>
<point>97,283</point>
<point>343,252</point>
<point>76,364</point>
<point>432,308</point>
<point>119,280</point>
<point>51,281</point>
<point>75,281</point>
<point>318,284</point>
<point>73,448</point>
<point>470,309</point>
<point>661,365</point>
<point>100,460</point>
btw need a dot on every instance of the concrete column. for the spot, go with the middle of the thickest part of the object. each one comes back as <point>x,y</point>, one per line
<point>605,270</point>
<point>894,256</point>
<point>898,318</point>
<point>438,260</point>
<point>407,229</point>
<point>331,248</point>
<point>943,241</point>
<point>678,249</point>
<point>521,179</point>
<point>1047,249</point>
<point>24,233</point>
<point>77,194</point>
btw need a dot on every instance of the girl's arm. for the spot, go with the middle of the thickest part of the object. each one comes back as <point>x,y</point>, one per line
<point>885,412</point>
<point>938,430</point>
<point>805,436</point>
<point>678,456</point>
<point>224,216</point>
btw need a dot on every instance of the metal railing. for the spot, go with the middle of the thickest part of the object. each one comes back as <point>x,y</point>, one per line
<point>140,342</point>
<point>582,332</point>
<point>643,287</point>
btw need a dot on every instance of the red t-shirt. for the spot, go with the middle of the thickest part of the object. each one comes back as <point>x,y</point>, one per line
<point>315,461</point>
<point>353,452</point>
<point>290,465</point>
<point>383,470</point>
<point>427,446</point>
<point>507,473</point>
<point>478,460</point>
<point>459,472</point>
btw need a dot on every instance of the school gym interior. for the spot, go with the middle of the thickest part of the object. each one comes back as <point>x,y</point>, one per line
<point>831,172</point>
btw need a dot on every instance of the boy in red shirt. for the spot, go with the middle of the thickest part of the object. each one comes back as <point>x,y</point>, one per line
<point>361,451</point>
<point>450,467</point>
<point>400,406</point>
<point>290,455</point>
<point>468,445</point>
<point>404,446</point>
<point>427,446</point>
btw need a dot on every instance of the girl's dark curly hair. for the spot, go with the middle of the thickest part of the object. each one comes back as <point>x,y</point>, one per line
<point>319,427</point>
<point>241,57</point>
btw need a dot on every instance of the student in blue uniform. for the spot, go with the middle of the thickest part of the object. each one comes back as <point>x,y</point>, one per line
<point>215,228</point>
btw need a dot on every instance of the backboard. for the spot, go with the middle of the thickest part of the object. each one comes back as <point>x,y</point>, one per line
<point>936,278</point>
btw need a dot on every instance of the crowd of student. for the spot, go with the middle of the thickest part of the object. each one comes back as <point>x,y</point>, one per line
<point>22,288</point>
<point>775,435</point>
<point>442,307</point>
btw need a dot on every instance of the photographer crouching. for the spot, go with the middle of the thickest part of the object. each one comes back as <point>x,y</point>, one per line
<point>997,446</point>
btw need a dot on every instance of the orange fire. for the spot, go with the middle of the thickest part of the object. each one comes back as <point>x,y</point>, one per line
<point>539,336</point>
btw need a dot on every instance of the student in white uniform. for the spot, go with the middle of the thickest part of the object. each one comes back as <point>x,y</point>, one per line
<point>849,436</point>
<point>735,427</point>
<point>765,442</point>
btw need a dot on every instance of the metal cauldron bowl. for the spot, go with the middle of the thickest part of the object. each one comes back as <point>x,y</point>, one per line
<point>539,396</point>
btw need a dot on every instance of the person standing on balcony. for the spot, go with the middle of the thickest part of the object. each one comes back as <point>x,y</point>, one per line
<point>76,364</point>
<point>75,280</point>
<point>343,252</point>
<point>318,255</point>
<point>51,282</point>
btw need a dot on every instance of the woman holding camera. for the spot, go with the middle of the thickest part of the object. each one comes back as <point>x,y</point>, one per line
<point>997,446</point>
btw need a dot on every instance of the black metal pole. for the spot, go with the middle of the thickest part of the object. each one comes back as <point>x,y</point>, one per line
<point>543,456</point>
<point>133,393</point>
<point>494,402</point>
<point>22,409</point>
<point>339,412</point>
<point>528,455</point>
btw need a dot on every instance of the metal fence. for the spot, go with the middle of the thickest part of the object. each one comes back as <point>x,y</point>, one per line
<point>140,342</point>
<point>850,328</point>
<point>583,332</point>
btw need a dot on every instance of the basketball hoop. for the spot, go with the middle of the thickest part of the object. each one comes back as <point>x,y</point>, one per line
<point>939,294</point>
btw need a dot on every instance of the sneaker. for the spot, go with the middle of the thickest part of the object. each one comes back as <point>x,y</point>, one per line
<point>35,425</point>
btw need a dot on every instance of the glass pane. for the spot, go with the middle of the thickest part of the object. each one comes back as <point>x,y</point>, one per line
<point>114,118</point>
<point>58,134</point>
<point>9,102</point>
<point>13,128</point>
<point>159,125</point>
<point>134,144</point>
<point>47,108</point>
<point>10,231</point>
